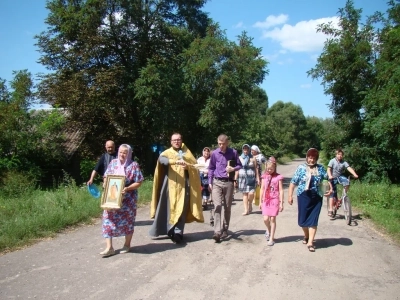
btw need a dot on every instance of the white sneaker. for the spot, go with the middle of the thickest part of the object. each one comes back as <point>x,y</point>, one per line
<point>266,234</point>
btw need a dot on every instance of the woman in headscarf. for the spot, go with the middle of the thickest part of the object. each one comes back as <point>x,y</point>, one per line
<point>204,161</point>
<point>308,178</point>
<point>247,178</point>
<point>121,222</point>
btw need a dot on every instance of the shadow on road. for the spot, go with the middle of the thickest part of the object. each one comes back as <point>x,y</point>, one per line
<point>157,247</point>
<point>237,234</point>
<point>289,239</point>
<point>164,243</point>
<point>354,219</point>
<point>144,223</point>
<point>331,242</point>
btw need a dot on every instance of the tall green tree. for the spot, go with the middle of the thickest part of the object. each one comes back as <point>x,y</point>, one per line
<point>346,67</point>
<point>135,71</point>
<point>221,80</point>
<point>98,49</point>
<point>287,129</point>
<point>382,103</point>
<point>30,141</point>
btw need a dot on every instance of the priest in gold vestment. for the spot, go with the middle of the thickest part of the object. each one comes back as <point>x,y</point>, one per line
<point>176,198</point>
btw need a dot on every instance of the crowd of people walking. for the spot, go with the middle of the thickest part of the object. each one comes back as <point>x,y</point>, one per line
<point>184,187</point>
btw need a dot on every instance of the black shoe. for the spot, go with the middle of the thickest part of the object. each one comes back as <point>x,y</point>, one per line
<point>217,237</point>
<point>224,234</point>
<point>177,238</point>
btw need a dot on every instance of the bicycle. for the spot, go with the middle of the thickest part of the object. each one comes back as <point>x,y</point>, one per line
<point>338,202</point>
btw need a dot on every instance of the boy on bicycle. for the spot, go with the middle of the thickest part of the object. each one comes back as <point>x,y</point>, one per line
<point>336,167</point>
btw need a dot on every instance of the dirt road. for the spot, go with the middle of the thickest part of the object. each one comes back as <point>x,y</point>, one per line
<point>350,262</point>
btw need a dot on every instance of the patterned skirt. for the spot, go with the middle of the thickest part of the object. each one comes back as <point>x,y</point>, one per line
<point>242,182</point>
<point>120,222</point>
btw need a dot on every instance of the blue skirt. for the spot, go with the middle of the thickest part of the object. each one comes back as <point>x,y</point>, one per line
<point>309,204</point>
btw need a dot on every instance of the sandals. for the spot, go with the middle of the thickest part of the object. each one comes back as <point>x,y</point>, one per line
<point>311,248</point>
<point>330,213</point>
<point>305,240</point>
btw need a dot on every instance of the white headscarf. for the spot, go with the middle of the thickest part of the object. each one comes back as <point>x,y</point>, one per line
<point>255,148</point>
<point>120,169</point>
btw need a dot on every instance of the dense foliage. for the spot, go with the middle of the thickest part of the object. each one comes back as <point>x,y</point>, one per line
<point>30,142</point>
<point>359,68</point>
<point>136,71</point>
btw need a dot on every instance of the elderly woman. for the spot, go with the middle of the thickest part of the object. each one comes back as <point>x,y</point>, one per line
<point>261,160</point>
<point>204,161</point>
<point>247,178</point>
<point>121,222</point>
<point>308,179</point>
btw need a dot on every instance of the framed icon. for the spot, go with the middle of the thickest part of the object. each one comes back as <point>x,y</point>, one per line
<point>112,194</point>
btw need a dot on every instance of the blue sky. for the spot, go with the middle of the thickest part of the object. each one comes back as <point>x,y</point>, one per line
<point>284,29</point>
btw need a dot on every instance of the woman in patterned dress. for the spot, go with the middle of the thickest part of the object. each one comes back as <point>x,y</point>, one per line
<point>247,178</point>
<point>120,222</point>
<point>308,178</point>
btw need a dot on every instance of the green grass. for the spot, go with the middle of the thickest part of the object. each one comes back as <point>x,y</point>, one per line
<point>37,214</point>
<point>380,203</point>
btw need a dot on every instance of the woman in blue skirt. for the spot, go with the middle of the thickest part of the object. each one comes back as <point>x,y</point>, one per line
<point>308,179</point>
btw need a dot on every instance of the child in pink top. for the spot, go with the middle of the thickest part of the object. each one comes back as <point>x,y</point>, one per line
<point>271,198</point>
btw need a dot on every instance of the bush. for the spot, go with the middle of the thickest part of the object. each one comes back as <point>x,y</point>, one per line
<point>14,184</point>
<point>86,169</point>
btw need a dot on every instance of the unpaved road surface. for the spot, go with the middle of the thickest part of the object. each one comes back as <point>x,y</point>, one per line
<point>350,262</point>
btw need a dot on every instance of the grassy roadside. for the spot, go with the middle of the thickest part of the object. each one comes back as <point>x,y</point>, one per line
<point>37,214</point>
<point>380,203</point>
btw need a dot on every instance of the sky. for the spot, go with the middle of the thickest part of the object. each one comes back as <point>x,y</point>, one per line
<point>284,29</point>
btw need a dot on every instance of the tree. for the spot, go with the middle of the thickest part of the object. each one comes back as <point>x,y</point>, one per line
<point>98,51</point>
<point>136,71</point>
<point>287,129</point>
<point>29,141</point>
<point>346,67</point>
<point>221,80</point>
<point>382,103</point>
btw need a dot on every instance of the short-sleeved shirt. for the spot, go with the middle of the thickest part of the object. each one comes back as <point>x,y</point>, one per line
<point>337,167</point>
<point>300,178</point>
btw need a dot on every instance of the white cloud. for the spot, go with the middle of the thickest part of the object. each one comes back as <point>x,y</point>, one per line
<point>305,86</point>
<point>271,21</point>
<point>286,61</point>
<point>238,25</point>
<point>271,57</point>
<point>302,37</point>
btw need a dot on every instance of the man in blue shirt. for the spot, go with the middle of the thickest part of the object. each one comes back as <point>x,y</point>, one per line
<point>224,163</point>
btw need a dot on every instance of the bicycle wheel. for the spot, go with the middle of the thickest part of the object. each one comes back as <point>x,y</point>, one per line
<point>347,209</point>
